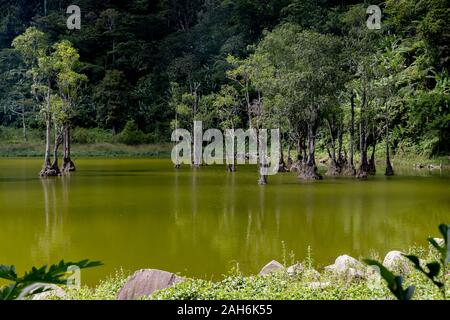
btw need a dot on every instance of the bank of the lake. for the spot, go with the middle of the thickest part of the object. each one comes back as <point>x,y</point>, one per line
<point>307,282</point>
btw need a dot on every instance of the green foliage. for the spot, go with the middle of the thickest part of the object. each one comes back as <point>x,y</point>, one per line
<point>435,267</point>
<point>131,135</point>
<point>124,62</point>
<point>91,136</point>
<point>433,272</point>
<point>34,281</point>
<point>394,282</point>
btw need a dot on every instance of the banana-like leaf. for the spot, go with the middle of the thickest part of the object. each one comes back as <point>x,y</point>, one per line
<point>395,283</point>
<point>8,272</point>
<point>23,286</point>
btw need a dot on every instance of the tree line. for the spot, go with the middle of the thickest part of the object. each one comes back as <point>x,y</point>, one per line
<point>311,68</point>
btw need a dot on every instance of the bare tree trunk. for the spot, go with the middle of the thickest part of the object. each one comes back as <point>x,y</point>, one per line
<point>68,165</point>
<point>349,168</point>
<point>24,126</point>
<point>299,149</point>
<point>289,160</point>
<point>282,165</point>
<point>372,167</point>
<point>364,164</point>
<point>341,160</point>
<point>47,169</point>
<point>309,171</point>
<point>352,130</point>
<point>333,169</point>
<point>58,141</point>
<point>389,169</point>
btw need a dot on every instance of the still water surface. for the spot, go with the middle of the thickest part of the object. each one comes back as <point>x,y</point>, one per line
<point>141,213</point>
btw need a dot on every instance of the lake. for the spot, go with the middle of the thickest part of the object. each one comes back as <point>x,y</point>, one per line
<point>141,213</point>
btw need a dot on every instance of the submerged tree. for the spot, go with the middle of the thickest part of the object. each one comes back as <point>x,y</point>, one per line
<point>33,47</point>
<point>66,60</point>
<point>300,71</point>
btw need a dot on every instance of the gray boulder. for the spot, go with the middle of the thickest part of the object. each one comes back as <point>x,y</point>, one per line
<point>272,266</point>
<point>146,281</point>
<point>343,263</point>
<point>349,268</point>
<point>394,260</point>
<point>295,269</point>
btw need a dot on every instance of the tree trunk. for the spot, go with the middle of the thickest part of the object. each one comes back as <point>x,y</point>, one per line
<point>389,169</point>
<point>352,130</point>
<point>282,165</point>
<point>58,141</point>
<point>372,167</point>
<point>24,126</point>
<point>262,179</point>
<point>289,160</point>
<point>364,164</point>
<point>47,169</point>
<point>68,165</point>
<point>299,149</point>
<point>309,170</point>
<point>334,168</point>
<point>349,168</point>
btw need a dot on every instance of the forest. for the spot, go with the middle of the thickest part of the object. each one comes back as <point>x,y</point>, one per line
<point>138,69</point>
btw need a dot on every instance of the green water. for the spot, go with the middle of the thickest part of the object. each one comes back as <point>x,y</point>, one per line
<point>141,213</point>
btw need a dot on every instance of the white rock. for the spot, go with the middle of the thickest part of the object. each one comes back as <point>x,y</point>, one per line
<point>344,263</point>
<point>394,260</point>
<point>272,266</point>
<point>295,269</point>
<point>146,281</point>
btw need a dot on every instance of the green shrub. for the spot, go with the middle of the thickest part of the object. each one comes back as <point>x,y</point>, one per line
<point>131,135</point>
<point>90,136</point>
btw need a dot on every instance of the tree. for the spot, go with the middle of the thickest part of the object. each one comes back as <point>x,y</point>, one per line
<point>359,51</point>
<point>33,47</point>
<point>111,96</point>
<point>298,73</point>
<point>66,60</point>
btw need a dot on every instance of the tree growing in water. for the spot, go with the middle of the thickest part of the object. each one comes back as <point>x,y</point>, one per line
<point>299,70</point>
<point>52,68</point>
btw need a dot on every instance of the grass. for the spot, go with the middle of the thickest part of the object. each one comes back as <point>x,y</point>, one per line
<point>85,143</point>
<point>276,286</point>
<point>97,142</point>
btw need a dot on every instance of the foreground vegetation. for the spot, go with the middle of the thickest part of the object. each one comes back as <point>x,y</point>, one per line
<point>236,285</point>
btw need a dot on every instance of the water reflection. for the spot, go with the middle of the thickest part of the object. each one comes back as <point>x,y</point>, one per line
<point>54,239</point>
<point>144,214</point>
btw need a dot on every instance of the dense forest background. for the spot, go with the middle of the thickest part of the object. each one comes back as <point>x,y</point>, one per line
<point>148,63</point>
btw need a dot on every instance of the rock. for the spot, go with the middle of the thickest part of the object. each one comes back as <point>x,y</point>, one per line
<point>394,260</point>
<point>52,291</point>
<point>295,269</point>
<point>318,285</point>
<point>272,266</point>
<point>349,268</point>
<point>146,281</point>
<point>344,263</point>
<point>355,274</point>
